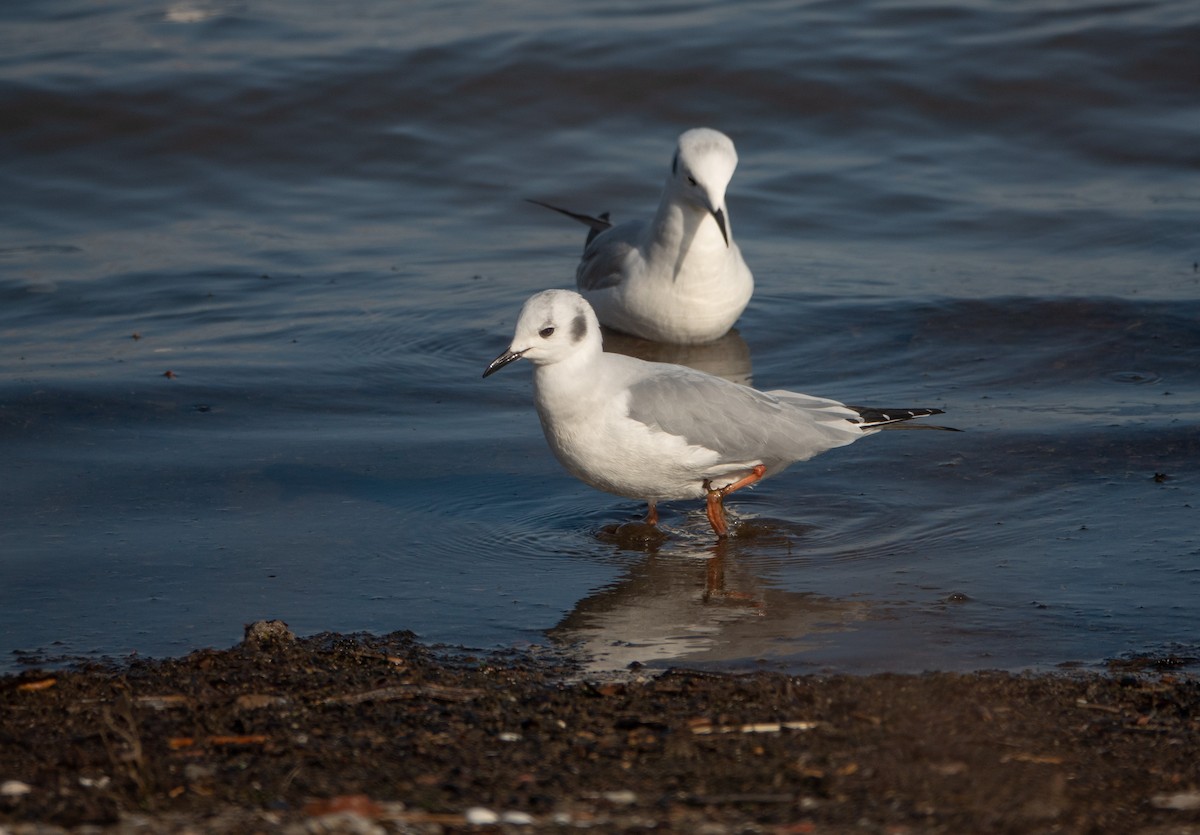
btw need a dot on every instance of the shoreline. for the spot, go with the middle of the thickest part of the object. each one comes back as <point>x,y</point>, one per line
<point>360,733</point>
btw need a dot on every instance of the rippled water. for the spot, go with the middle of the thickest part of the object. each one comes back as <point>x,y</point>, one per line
<point>313,218</point>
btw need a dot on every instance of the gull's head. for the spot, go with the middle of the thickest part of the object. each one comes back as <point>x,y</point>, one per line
<point>701,170</point>
<point>554,325</point>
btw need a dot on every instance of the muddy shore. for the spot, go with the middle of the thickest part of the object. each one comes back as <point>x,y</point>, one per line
<point>358,733</point>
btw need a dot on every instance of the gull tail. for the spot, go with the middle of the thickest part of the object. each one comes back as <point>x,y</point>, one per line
<point>872,418</point>
<point>594,223</point>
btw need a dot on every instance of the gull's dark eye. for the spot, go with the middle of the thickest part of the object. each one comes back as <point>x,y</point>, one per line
<point>692,180</point>
<point>546,333</point>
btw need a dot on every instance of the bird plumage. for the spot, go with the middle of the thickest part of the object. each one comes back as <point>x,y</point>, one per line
<point>655,431</point>
<point>679,276</point>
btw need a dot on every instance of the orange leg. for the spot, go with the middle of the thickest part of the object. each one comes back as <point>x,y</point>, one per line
<point>716,512</point>
<point>715,501</point>
<point>652,514</point>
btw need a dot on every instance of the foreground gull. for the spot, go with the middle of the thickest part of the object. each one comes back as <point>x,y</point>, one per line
<point>679,277</point>
<point>653,431</point>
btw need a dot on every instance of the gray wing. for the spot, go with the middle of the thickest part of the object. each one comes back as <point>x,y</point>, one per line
<point>605,258</point>
<point>738,422</point>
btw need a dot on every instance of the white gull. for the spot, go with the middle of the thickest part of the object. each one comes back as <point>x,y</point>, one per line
<point>654,431</point>
<point>678,277</point>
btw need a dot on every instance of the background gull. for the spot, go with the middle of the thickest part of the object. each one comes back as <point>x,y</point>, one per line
<point>654,431</point>
<point>678,277</point>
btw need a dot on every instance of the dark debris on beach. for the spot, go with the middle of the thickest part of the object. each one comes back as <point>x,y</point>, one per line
<point>358,733</point>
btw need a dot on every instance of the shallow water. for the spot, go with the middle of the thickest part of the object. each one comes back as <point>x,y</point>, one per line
<point>314,220</point>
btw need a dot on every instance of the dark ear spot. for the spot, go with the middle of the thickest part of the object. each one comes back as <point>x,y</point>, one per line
<point>579,328</point>
<point>675,163</point>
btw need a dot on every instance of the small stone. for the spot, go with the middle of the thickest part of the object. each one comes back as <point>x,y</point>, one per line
<point>479,816</point>
<point>198,773</point>
<point>14,788</point>
<point>623,797</point>
<point>343,823</point>
<point>258,701</point>
<point>266,633</point>
<point>1179,801</point>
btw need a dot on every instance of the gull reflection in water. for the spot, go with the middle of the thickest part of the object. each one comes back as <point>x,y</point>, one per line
<point>727,357</point>
<point>698,605</point>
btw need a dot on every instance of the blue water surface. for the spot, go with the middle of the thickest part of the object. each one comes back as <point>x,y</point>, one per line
<point>256,256</point>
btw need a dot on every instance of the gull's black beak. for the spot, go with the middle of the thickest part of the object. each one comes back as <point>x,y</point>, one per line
<point>719,214</point>
<point>501,361</point>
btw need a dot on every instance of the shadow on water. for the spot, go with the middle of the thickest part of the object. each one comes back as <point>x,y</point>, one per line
<point>727,357</point>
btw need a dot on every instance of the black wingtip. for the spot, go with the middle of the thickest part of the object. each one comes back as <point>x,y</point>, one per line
<point>596,224</point>
<point>875,418</point>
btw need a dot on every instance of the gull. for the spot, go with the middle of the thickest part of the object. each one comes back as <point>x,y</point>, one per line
<point>678,277</point>
<point>655,431</point>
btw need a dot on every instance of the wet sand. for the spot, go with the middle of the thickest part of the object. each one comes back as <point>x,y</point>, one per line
<point>338,733</point>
